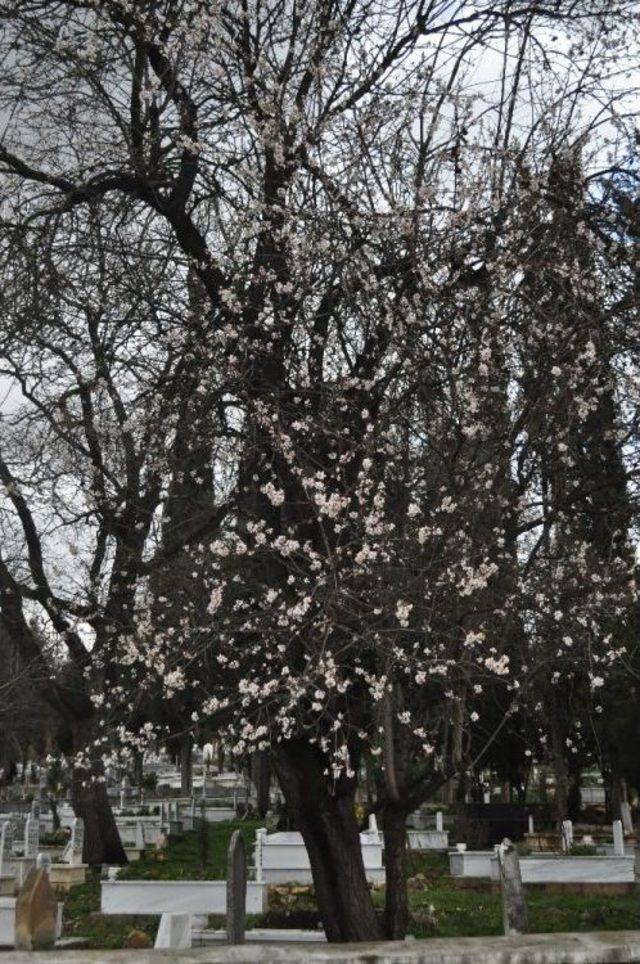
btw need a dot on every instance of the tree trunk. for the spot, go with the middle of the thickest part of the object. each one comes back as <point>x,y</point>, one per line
<point>615,797</point>
<point>561,774</point>
<point>186,768</point>
<point>53,806</point>
<point>324,813</point>
<point>102,844</point>
<point>261,777</point>
<point>396,907</point>
<point>138,767</point>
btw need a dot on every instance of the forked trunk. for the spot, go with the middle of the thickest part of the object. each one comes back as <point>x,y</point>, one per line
<point>102,844</point>
<point>324,814</point>
<point>396,906</point>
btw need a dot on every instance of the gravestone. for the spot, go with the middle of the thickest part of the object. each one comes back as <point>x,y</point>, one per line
<point>36,913</point>
<point>439,821</point>
<point>567,835</point>
<point>35,807</point>
<point>6,847</point>
<point>73,851</point>
<point>625,813</point>
<point>514,908</point>
<point>618,838</point>
<point>174,931</point>
<point>531,824</point>
<point>31,836</point>
<point>43,861</point>
<point>236,889</point>
<point>139,838</point>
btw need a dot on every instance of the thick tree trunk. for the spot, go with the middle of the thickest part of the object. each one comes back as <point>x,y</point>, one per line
<point>261,777</point>
<point>396,907</point>
<point>324,814</point>
<point>102,844</point>
<point>186,764</point>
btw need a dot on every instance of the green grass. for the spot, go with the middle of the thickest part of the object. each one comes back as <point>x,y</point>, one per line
<point>183,858</point>
<point>439,907</point>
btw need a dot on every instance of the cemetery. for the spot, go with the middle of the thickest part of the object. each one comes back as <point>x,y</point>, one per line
<point>176,892</point>
<point>320,481</point>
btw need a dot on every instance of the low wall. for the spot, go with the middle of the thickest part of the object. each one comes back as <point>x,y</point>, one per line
<point>606,948</point>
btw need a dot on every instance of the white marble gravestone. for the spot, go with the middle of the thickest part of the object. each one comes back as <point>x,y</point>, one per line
<point>174,931</point>
<point>618,838</point>
<point>31,836</point>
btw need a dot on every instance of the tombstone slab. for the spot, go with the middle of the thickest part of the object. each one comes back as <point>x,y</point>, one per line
<point>36,913</point>
<point>514,908</point>
<point>236,889</point>
<point>174,931</point>
<point>618,838</point>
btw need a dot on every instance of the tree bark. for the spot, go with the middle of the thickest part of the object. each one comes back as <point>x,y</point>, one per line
<point>89,799</point>
<point>396,907</point>
<point>261,777</point>
<point>53,806</point>
<point>324,813</point>
<point>186,768</point>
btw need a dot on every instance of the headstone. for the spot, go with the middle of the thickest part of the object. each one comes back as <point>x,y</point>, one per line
<point>35,807</point>
<point>174,931</point>
<point>236,889</point>
<point>531,824</point>
<point>373,824</point>
<point>625,813</point>
<point>73,851</point>
<point>43,861</point>
<point>618,838</point>
<point>6,847</point>
<point>139,838</point>
<point>31,836</point>
<point>567,835</point>
<point>439,821</point>
<point>261,835</point>
<point>36,913</point>
<point>514,908</point>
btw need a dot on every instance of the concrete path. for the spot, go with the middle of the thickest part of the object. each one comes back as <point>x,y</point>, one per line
<point>617,947</point>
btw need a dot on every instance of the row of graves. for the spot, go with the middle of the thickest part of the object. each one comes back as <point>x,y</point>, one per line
<point>581,857</point>
<point>28,867</point>
<point>30,871</point>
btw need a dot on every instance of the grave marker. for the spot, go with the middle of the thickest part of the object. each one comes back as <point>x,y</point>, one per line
<point>6,847</point>
<point>139,838</point>
<point>618,838</point>
<point>514,908</point>
<point>439,821</point>
<point>174,931</point>
<point>625,814</point>
<point>567,835</point>
<point>236,889</point>
<point>36,913</point>
<point>31,836</point>
<point>73,850</point>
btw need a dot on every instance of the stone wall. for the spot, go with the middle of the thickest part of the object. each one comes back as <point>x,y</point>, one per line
<point>601,948</point>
